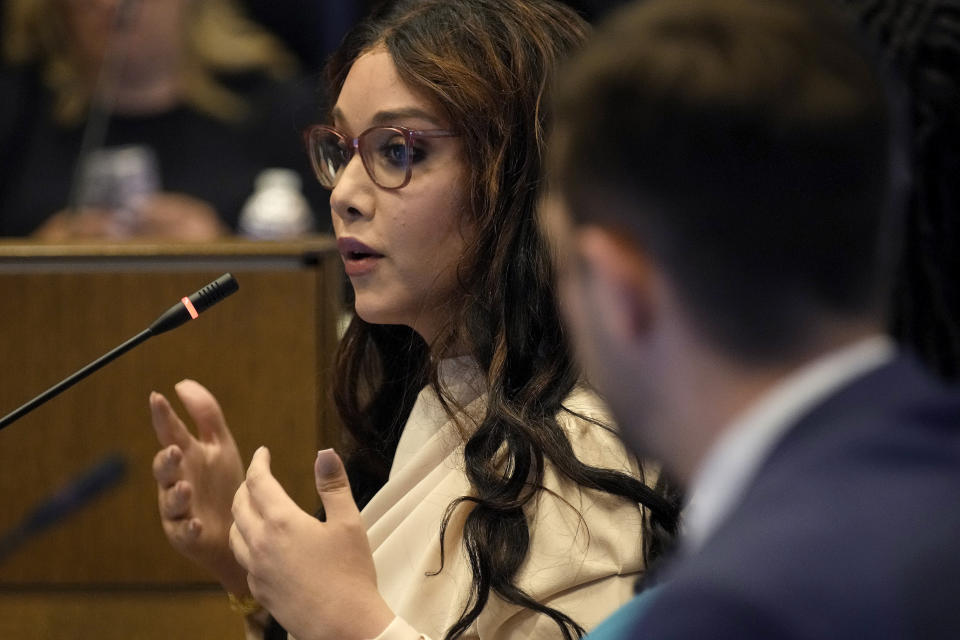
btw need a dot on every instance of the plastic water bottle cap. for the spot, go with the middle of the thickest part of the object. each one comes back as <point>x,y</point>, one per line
<point>277,178</point>
<point>276,209</point>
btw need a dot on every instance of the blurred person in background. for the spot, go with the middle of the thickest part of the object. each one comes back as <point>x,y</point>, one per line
<point>198,96</point>
<point>727,197</point>
<point>920,40</point>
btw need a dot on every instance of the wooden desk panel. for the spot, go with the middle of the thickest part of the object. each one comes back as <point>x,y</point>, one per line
<point>265,353</point>
<point>181,614</point>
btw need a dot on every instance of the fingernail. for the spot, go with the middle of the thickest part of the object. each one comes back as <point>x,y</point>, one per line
<point>174,455</point>
<point>327,462</point>
<point>183,382</point>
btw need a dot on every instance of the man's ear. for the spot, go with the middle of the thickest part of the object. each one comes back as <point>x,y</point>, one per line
<point>622,279</point>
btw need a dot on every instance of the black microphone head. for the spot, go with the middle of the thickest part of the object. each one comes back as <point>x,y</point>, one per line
<point>192,306</point>
<point>214,292</point>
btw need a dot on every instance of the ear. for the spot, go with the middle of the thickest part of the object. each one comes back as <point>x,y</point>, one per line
<point>621,279</point>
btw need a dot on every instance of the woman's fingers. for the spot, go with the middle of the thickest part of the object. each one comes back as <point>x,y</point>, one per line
<point>204,409</point>
<point>182,533</point>
<point>170,429</point>
<point>166,466</point>
<point>333,487</point>
<point>264,494</point>
<point>175,501</point>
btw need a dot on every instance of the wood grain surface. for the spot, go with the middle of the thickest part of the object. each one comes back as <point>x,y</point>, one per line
<point>265,353</point>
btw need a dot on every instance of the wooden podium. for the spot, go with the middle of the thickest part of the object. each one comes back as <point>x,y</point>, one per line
<point>266,352</point>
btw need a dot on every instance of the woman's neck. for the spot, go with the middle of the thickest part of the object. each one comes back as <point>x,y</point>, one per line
<point>147,88</point>
<point>156,96</point>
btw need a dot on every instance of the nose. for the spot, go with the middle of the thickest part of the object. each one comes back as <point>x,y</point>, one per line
<point>352,196</point>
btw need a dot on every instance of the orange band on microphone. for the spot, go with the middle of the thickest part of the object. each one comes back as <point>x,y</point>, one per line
<point>190,308</point>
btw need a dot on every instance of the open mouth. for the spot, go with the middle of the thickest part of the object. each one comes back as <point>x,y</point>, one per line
<point>353,250</point>
<point>359,259</point>
<point>361,255</point>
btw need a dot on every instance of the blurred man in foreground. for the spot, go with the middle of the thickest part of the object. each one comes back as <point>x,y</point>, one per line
<point>725,209</point>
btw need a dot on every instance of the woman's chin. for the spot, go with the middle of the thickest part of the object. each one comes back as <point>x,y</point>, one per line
<point>372,313</point>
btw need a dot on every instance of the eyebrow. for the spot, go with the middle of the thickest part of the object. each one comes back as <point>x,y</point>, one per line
<point>389,117</point>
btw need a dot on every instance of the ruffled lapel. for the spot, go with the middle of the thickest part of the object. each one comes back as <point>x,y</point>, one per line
<point>439,462</point>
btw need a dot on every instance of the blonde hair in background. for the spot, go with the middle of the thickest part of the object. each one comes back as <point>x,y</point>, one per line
<point>219,39</point>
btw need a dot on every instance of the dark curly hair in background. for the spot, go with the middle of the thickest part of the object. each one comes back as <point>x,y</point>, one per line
<point>920,39</point>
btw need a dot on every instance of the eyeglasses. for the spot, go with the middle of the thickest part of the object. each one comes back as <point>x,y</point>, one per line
<point>388,153</point>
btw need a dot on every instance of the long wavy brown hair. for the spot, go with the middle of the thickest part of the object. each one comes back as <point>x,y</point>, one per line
<point>488,65</point>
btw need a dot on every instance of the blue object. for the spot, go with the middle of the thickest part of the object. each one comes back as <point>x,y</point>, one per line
<point>72,497</point>
<point>625,619</point>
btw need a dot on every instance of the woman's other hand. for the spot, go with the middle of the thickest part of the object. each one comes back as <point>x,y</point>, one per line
<point>178,216</point>
<point>164,216</point>
<point>197,478</point>
<point>87,223</point>
<point>316,578</point>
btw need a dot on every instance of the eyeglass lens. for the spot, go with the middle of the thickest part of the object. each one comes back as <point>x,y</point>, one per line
<point>385,153</point>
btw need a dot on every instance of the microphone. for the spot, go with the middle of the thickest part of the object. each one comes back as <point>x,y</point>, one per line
<point>101,102</point>
<point>188,308</point>
<point>192,306</point>
<point>70,498</point>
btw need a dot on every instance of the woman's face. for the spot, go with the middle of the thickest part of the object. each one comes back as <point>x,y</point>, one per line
<point>410,240</point>
<point>152,34</point>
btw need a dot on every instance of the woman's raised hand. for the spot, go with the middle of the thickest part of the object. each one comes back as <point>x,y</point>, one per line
<point>316,578</point>
<point>196,479</point>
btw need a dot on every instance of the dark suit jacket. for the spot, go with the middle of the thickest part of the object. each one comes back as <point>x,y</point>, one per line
<point>851,528</point>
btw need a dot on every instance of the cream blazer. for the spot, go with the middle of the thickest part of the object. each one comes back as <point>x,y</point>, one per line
<point>585,547</point>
